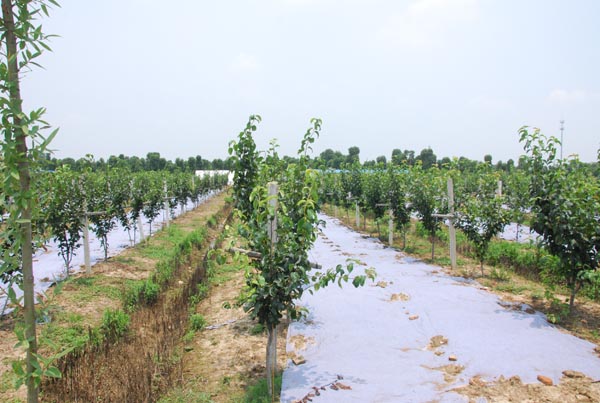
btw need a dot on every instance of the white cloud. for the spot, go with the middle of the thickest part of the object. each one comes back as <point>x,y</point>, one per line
<point>562,96</point>
<point>426,22</point>
<point>245,62</point>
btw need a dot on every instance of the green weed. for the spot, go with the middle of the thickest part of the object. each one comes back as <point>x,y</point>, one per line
<point>115,324</point>
<point>197,322</point>
<point>258,393</point>
<point>257,329</point>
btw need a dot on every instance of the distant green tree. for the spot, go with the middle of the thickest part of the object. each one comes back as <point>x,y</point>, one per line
<point>427,158</point>
<point>154,162</point>
<point>353,155</point>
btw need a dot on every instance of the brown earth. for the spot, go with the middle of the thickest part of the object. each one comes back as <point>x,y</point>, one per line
<point>109,277</point>
<point>222,360</point>
<point>573,388</point>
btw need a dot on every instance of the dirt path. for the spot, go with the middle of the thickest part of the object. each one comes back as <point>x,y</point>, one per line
<point>418,335</point>
<point>222,360</point>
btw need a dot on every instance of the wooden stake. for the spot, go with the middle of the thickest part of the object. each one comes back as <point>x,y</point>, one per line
<point>140,225</point>
<point>272,330</point>
<point>86,240</point>
<point>451,229</point>
<point>391,228</point>
<point>166,204</point>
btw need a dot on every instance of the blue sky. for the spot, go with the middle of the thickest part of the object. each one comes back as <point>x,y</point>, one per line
<point>460,76</point>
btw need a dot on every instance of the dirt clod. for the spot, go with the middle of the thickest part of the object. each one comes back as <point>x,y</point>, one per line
<point>574,388</point>
<point>437,341</point>
<point>399,297</point>
<point>298,360</point>
<point>545,380</point>
<point>573,374</point>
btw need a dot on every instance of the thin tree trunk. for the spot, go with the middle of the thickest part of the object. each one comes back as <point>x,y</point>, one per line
<point>271,360</point>
<point>432,247</point>
<point>24,183</point>
<point>575,285</point>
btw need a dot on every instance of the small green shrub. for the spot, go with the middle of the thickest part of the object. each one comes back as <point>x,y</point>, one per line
<point>257,329</point>
<point>499,274</point>
<point>201,293</point>
<point>115,324</point>
<point>141,293</point>
<point>211,222</point>
<point>197,322</point>
<point>258,393</point>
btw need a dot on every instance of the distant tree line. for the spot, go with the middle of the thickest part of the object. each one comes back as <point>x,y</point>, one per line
<point>327,159</point>
<point>426,158</point>
<point>152,162</point>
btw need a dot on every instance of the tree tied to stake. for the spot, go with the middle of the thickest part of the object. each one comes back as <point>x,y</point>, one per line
<point>282,273</point>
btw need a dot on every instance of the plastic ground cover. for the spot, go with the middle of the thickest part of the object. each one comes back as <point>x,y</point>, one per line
<point>49,267</point>
<point>371,338</point>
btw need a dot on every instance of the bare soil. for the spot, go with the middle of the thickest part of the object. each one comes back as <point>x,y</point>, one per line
<point>229,355</point>
<point>573,388</point>
<point>130,264</point>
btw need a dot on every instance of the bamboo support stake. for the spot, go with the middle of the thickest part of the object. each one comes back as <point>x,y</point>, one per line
<point>257,255</point>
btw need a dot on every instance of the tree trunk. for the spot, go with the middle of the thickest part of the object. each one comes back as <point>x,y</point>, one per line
<point>432,247</point>
<point>271,360</point>
<point>24,184</point>
<point>575,285</point>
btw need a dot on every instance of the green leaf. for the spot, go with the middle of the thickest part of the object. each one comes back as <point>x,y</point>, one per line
<point>53,372</point>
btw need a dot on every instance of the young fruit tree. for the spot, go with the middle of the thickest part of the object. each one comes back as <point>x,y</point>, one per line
<point>277,204</point>
<point>426,197</point>
<point>23,42</point>
<point>566,206</point>
<point>481,215</point>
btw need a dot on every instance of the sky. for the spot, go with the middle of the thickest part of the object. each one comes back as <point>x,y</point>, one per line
<point>181,78</point>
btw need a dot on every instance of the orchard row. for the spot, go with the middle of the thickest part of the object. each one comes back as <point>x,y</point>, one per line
<point>66,201</point>
<point>558,198</point>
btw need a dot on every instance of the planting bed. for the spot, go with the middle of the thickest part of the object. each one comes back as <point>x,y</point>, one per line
<point>418,334</point>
